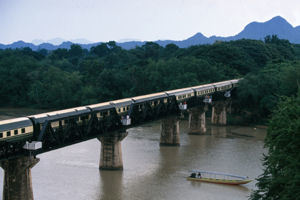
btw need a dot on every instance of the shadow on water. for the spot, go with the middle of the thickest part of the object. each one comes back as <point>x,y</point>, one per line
<point>111,185</point>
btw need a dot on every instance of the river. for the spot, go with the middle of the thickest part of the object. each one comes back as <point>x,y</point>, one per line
<point>150,171</point>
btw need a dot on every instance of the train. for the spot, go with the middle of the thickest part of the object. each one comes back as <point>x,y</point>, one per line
<point>107,116</point>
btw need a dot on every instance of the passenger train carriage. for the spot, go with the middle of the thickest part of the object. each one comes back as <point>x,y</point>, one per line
<point>105,117</point>
<point>223,86</point>
<point>122,106</point>
<point>203,90</point>
<point>148,107</point>
<point>17,128</point>
<point>183,96</point>
<point>61,118</point>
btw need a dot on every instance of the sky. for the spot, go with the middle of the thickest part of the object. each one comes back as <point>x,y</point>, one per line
<point>145,20</point>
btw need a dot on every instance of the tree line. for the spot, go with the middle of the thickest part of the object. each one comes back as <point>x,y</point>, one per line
<point>72,77</point>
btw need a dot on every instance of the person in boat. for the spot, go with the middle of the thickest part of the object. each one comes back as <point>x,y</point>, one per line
<point>193,175</point>
<point>199,175</point>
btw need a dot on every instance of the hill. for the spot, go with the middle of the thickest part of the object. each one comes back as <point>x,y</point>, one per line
<point>255,30</point>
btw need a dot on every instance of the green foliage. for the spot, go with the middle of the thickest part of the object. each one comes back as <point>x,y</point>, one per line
<point>72,77</point>
<point>259,93</point>
<point>55,88</point>
<point>281,177</point>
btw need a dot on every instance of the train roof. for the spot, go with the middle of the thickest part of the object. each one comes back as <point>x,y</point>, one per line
<point>51,116</point>
<point>15,123</point>
<point>122,102</point>
<point>222,83</point>
<point>149,97</point>
<point>235,80</point>
<point>203,87</point>
<point>100,106</point>
<point>180,91</point>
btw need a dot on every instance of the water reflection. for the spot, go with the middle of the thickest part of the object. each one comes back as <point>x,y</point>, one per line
<point>111,185</point>
<point>218,131</point>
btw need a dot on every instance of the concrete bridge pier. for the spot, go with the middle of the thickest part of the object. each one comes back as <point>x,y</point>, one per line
<point>197,123</point>
<point>219,116</point>
<point>111,151</point>
<point>170,131</point>
<point>17,178</point>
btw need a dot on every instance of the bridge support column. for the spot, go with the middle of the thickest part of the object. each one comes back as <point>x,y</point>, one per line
<point>219,113</point>
<point>111,151</point>
<point>17,178</point>
<point>170,131</point>
<point>197,124</point>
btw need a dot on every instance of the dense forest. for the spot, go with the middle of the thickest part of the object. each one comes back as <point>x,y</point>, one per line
<point>71,77</point>
<point>270,70</point>
<point>281,177</point>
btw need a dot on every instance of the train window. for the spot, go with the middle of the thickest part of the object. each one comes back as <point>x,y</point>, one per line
<point>123,109</point>
<point>23,130</point>
<point>60,123</point>
<point>15,132</point>
<point>7,133</point>
<point>1,135</point>
<point>119,110</point>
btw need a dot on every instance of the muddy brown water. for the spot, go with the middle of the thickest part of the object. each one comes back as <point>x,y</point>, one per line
<point>150,171</point>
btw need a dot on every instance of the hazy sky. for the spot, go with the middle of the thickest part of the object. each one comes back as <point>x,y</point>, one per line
<point>104,20</point>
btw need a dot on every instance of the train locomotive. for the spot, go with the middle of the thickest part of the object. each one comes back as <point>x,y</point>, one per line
<point>60,128</point>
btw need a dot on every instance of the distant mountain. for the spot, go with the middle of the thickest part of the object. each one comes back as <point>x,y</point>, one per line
<point>58,41</point>
<point>277,25</point>
<point>255,30</point>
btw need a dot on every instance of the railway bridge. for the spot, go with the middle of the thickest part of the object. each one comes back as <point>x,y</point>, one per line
<point>22,139</point>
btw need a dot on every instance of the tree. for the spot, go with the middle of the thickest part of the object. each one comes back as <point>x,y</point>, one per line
<point>75,51</point>
<point>100,50</point>
<point>281,177</point>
